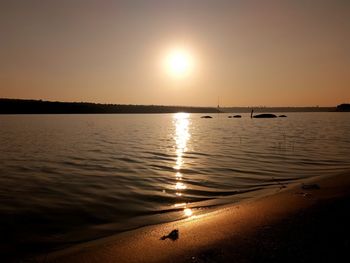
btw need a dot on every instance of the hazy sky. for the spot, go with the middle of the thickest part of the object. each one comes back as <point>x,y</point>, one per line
<point>247,53</point>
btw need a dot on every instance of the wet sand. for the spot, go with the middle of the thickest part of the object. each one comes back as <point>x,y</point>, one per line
<point>291,225</point>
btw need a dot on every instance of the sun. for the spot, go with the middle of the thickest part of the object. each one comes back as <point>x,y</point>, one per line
<point>179,63</point>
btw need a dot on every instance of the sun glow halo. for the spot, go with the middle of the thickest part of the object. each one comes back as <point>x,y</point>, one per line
<point>179,63</point>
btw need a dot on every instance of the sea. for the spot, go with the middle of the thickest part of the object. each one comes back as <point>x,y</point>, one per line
<point>68,179</point>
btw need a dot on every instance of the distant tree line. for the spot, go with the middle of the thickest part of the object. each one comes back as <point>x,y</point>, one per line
<point>277,109</point>
<point>19,106</point>
<point>343,107</point>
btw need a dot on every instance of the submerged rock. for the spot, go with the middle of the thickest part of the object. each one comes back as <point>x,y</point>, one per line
<point>206,117</point>
<point>265,116</point>
<point>237,116</point>
<point>282,116</point>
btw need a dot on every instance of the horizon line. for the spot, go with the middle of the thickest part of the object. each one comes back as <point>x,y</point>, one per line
<point>162,105</point>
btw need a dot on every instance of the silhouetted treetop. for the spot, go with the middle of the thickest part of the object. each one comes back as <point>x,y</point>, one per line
<point>343,107</point>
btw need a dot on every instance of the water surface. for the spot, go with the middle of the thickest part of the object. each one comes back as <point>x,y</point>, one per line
<point>70,178</point>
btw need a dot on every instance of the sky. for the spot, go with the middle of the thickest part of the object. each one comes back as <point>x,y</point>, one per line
<point>244,53</point>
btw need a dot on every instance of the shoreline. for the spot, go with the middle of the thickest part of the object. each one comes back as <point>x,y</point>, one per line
<point>37,106</point>
<point>231,233</point>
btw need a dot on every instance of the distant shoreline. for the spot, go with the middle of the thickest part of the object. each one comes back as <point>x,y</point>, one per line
<point>23,106</point>
<point>17,106</point>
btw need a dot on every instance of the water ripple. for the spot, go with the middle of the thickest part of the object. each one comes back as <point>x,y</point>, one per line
<point>72,178</point>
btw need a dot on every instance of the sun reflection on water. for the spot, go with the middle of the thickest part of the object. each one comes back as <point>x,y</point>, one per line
<point>181,137</point>
<point>180,186</point>
<point>188,212</point>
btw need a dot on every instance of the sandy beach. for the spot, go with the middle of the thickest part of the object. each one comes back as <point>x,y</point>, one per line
<point>305,221</point>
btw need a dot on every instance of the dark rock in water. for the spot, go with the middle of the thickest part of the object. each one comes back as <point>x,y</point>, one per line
<point>173,235</point>
<point>265,115</point>
<point>282,116</point>
<point>206,117</point>
<point>229,116</point>
<point>237,116</point>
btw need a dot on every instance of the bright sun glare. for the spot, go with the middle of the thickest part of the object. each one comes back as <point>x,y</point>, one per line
<point>179,63</point>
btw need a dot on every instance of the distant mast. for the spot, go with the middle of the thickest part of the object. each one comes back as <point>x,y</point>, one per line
<point>218,105</point>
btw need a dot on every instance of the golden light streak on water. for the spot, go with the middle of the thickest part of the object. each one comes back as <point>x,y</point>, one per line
<point>180,186</point>
<point>181,137</point>
<point>188,212</point>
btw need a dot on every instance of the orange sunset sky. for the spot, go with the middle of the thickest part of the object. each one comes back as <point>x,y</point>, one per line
<point>246,53</point>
